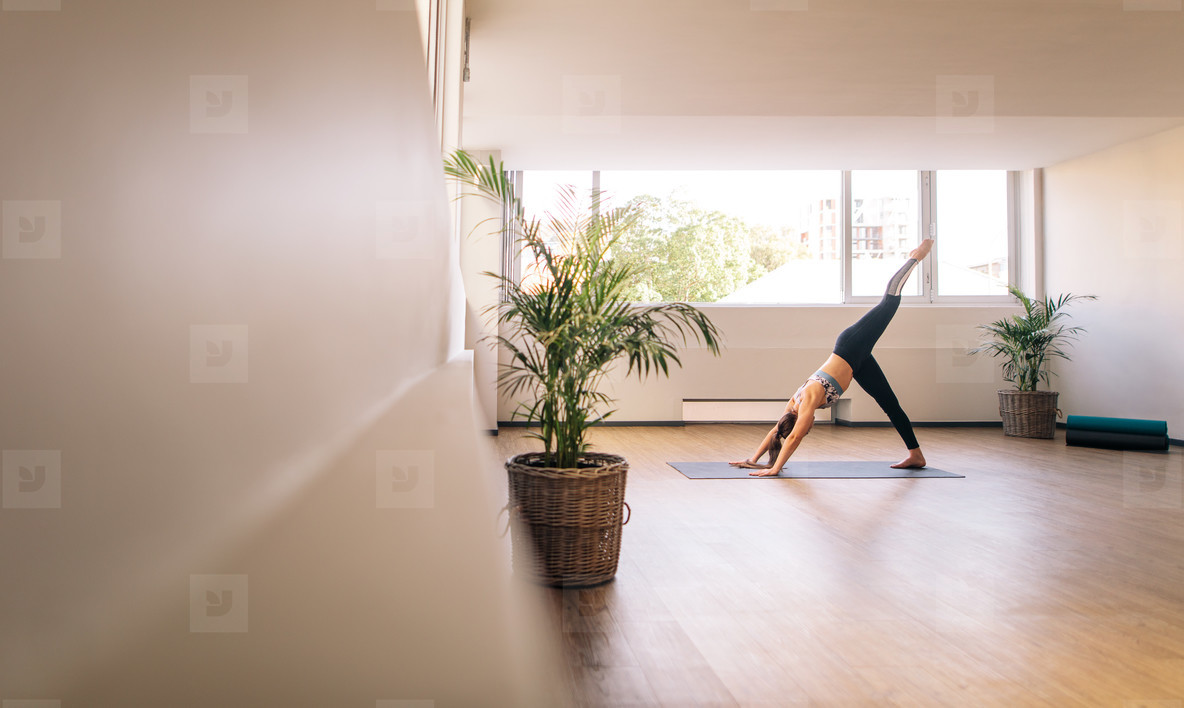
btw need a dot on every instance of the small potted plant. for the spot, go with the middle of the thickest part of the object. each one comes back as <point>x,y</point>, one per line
<point>1027,344</point>
<point>562,330</point>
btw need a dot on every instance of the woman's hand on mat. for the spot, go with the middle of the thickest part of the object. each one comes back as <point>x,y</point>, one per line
<point>764,471</point>
<point>761,470</point>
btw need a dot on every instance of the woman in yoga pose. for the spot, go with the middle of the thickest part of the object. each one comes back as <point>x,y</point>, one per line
<point>852,359</point>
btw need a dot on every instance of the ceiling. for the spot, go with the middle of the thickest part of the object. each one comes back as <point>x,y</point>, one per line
<point>759,84</point>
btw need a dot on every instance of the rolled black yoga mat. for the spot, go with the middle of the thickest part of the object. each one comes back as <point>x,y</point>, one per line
<point>1135,426</point>
<point>1115,441</point>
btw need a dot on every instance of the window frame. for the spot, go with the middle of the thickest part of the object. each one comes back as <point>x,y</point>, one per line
<point>923,213</point>
<point>1013,247</point>
<point>926,223</point>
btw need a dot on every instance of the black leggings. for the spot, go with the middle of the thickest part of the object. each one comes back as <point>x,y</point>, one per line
<point>855,344</point>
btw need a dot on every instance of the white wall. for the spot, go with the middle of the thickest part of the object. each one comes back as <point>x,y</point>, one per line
<point>1113,229</point>
<point>771,350</point>
<point>298,254</point>
<point>481,253</point>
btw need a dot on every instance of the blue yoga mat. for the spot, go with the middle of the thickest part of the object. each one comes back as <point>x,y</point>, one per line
<point>810,469</point>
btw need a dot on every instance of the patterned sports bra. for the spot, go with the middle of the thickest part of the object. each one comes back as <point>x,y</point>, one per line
<point>831,388</point>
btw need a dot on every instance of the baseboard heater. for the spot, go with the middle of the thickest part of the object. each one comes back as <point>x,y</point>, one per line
<point>740,410</point>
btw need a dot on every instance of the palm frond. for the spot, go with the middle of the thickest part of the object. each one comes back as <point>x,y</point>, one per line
<point>564,332</point>
<point>1026,343</point>
<point>490,181</point>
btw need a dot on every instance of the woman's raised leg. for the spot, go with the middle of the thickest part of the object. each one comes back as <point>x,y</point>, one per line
<point>855,343</point>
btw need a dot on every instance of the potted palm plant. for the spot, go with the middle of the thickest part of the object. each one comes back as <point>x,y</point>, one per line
<point>1027,344</point>
<point>561,331</point>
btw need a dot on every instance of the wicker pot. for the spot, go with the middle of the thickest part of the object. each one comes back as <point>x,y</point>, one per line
<point>1028,414</point>
<point>568,530</point>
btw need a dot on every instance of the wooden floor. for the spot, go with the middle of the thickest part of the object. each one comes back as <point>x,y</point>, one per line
<point>1049,576</point>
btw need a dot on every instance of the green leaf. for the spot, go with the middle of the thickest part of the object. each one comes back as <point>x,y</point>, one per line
<point>1027,342</point>
<point>565,331</point>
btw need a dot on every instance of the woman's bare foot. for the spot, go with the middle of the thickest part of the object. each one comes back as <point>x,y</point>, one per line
<point>764,472</point>
<point>914,461</point>
<point>747,464</point>
<point>923,250</point>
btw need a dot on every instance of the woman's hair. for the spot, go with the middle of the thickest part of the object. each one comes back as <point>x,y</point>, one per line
<point>784,426</point>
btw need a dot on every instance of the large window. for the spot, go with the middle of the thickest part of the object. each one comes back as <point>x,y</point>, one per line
<point>973,222</point>
<point>732,237</point>
<point>541,196</point>
<point>799,237</point>
<point>885,210</point>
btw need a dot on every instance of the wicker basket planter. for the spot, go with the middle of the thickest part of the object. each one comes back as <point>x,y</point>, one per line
<point>569,521</point>
<point>1028,414</point>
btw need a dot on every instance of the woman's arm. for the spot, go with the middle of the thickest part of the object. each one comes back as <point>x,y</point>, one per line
<point>752,461</point>
<point>800,429</point>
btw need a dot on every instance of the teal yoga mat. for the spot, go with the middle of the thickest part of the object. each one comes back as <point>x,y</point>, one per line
<point>1129,426</point>
<point>810,470</point>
